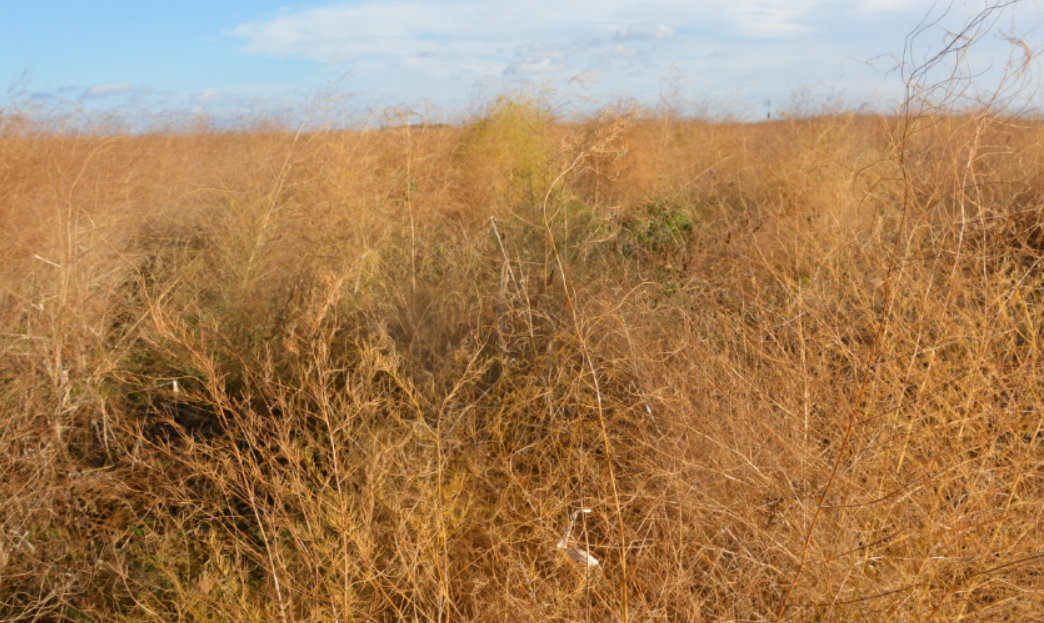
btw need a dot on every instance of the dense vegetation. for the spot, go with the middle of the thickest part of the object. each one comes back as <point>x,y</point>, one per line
<point>794,367</point>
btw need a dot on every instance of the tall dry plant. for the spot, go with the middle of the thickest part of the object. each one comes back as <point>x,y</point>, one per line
<point>792,368</point>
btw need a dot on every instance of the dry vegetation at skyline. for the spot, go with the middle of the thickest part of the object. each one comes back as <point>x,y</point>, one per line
<point>794,368</point>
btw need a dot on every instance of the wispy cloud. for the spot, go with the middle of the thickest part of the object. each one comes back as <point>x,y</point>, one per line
<point>629,46</point>
<point>209,96</point>
<point>540,58</point>
<point>466,41</point>
<point>876,6</point>
<point>644,32</point>
<point>107,89</point>
<point>372,31</point>
<point>410,48</point>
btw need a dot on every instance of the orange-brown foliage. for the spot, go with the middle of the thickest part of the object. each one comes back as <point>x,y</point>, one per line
<point>368,375</point>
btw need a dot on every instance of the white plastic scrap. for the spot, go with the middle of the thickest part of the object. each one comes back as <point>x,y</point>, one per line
<point>574,553</point>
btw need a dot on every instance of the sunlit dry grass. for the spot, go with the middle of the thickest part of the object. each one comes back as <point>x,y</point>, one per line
<point>793,367</point>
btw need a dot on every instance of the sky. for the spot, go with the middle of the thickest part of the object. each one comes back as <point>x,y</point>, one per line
<point>445,59</point>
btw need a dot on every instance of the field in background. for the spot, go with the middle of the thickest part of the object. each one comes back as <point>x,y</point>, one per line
<point>794,368</point>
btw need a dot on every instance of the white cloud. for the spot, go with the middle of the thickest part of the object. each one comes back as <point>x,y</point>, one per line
<point>624,51</point>
<point>325,34</point>
<point>369,30</point>
<point>209,95</point>
<point>414,49</point>
<point>642,32</point>
<point>107,89</point>
<point>884,6</point>
<point>532,66</point>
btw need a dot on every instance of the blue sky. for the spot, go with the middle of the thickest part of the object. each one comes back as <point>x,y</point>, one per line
<point>235,57</point>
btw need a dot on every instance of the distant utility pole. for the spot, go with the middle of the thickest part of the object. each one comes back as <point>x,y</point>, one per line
<point>768,106</point>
